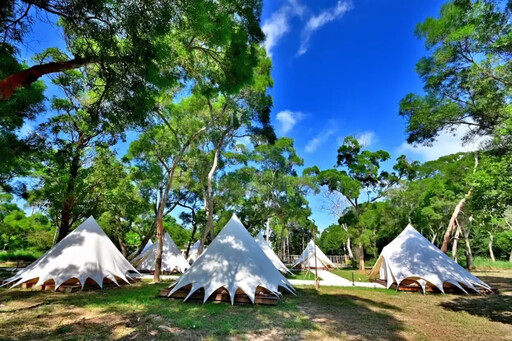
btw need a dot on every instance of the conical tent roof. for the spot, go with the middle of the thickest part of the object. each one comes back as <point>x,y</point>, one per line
<point>192,254</point>
<point>412,256</point>
<point>307,258</point>
<point>148,245</point>
<point>233,261</point>
<point>87,252</point>
<point>172,259</point>
<point>271,254</point>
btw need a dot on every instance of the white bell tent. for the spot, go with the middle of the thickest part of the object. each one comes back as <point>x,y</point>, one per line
<point>307,258</point>
<point>271,254</point>
<point>410,257</point>
<point>148,245</point>
<point>233,261</point>
<point>86,253</point>
<point>192,253</point>
<point>172,259</point>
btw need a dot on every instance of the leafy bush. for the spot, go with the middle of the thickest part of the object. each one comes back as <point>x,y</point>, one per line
<point>25,255</point>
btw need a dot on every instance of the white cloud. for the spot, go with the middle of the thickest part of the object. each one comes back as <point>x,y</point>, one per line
<point>279,23</point>
<point>318,140</point>
<point>317,21</point>
<point>447,143</point>
<point>366,138</point>
<point>287,120</point>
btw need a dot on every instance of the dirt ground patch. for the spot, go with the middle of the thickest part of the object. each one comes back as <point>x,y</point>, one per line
<point>332,313</point>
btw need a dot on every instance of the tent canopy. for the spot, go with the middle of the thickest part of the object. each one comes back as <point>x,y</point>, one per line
<point>233,261</point>
<point>192,254</point>
<point>85,253</point>
<point>271,254</point>
<point>307,258</point>
<point>410,256</point>
<point>172,258</point>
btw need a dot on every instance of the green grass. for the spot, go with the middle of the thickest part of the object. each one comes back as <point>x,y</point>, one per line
<point>482,263</point>
<point>136,313</point>
<point>303,275</point>
<point>24,255</point>
<point>359,276</point>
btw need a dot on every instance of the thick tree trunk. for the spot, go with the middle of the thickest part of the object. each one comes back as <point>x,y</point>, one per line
<point>510,257</point>
<point>159,246</point>
<point>69,202</point>
<point>491,252</point>
<point>28,76</point>
<point>349,249</point>
<point>456,211</point>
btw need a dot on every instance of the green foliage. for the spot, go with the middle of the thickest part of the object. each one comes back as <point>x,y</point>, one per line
<point>332,239</point>
<point>483,263</point>
<point>467,75</point>
<point>20,255</point>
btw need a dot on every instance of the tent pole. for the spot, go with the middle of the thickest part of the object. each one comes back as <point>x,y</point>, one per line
<point>317,285</point>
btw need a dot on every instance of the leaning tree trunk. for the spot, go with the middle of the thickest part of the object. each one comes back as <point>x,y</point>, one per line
<point>28,76</point>
<point>194,230</point>
<point>456,212</point>
<point>491,253</point>
<point>455,243</point>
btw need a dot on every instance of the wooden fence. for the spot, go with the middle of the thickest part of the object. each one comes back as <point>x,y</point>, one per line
<point>336,259</point>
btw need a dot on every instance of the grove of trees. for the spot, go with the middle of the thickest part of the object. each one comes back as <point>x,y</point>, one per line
<point>190,80</point>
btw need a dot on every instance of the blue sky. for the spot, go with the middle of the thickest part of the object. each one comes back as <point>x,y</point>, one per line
<point>340,68</point>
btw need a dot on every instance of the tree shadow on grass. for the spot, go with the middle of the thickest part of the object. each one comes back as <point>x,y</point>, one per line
<point>351,317</point>
<point>496,308</point>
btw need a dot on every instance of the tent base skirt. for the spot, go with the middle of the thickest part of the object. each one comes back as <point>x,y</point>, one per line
<point>220,295</point>
<point>413,286</point>
<point>71,286</point>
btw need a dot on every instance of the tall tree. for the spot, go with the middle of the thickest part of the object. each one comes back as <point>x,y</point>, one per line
<point>361,180</point>
<point>467,76</point>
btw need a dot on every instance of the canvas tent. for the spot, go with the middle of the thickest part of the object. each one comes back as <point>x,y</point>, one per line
<point>192,253</point>
<point>172,259</point>
<point>410,257</point>
<point>86,254</point>
<point>307,258</point>
<point>233,261</point>
<point>271,254</point>
<point>148,245</point>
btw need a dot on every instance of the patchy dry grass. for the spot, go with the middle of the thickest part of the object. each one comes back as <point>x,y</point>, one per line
<point>135,313</point>
<point>359,276</point>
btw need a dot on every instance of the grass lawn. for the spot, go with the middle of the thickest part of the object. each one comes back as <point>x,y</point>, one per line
<point>303,275</point>
<point>135,313</point>
<point>482,263</point>
<point>359,276</point>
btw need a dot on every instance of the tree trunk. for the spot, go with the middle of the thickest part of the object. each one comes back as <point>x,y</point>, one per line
<point>69,202</point>
<point>28,76</point>
<point>491,253</point>
<point>349,249</point>
<point>209,201</point>
<point>159,246</point>
<point>194,229</point>
<point>456,212</point>
<point>144,241</point>
<point>455,243</point>
<point>120,237</point>
<point>510,257</point>
<point>469,252</point>
<point>361,257</point>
